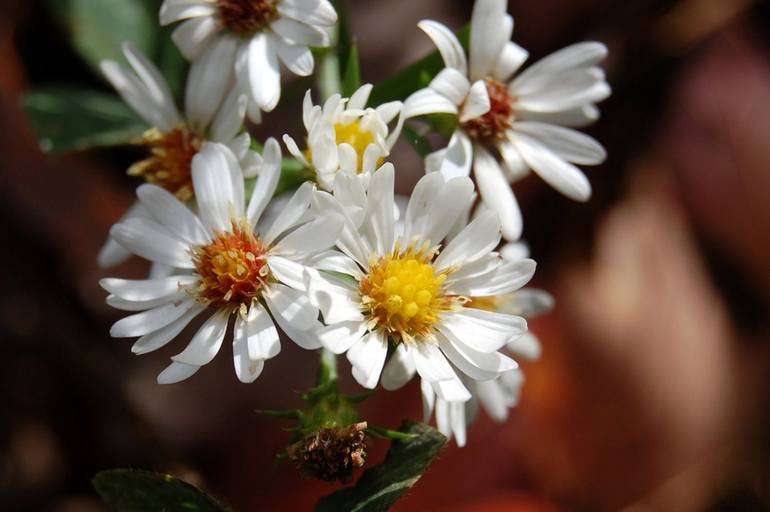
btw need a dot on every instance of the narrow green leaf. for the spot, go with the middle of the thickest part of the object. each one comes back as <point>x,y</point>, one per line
<point>351,79</point>
<point>129,490</point>
<point>67,119</point>
<point>98,27</point>
<point>414,77</point>
<point>384,433</point>
<point>379,488</point>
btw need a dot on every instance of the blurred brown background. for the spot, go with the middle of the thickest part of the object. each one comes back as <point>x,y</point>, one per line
<point>652,392</point>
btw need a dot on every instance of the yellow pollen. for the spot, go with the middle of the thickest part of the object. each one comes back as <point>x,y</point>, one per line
<point>169,163</point>
<point>404,295</point>
<point>232,268</point>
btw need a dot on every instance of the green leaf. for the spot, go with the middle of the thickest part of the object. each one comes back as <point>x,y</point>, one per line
<point>98,27</point>
<point>414,77</point>
<point>129,490</point>
<point>418,142</point>
<point>379,488</point>
<point>66,119</point>
<point>351,79</point>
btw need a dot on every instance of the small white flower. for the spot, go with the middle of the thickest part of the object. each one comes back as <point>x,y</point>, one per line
<point>211,113</point>
<point>344,135</point>
<point>409,294</point>
<point>228,269</point>
<point>496,396</point>
<point>512,122</point>
<point>254,36</point>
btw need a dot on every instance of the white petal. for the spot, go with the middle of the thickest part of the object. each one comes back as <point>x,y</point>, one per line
<point>261,335</point>
<point>266,182</point>
<point>146,289</point>
<point>135,94</point>
<point>568,90</point>
<point>150,320</point>
<point>194,35</point>
<point>477,239</point>
<point>566,143</point>
<point>341,336</point>
<point>160,338</point>
<point>112,254</point>
<point>526,346</point>
<point>172,11</point>
<point>427,101</point>
<point>428,399</point>
<point>399,370</point>
<point>457,419</point>
<point>491,28</point>
<point>317,235</point>
<point>448,46</point>
<point>368,357</point>
<point>298,59</point>
<point>509,277</point>
<point>453,84</point>
<point>292,213</point>
<point>172,214</point>
<point>338,300</point>
<point>510,60</point>
<point>379,229</point>
<point>430,362</point>
<point>497,193</point>
<point>177,372</point>
<point>491,395</point>
<point>148,239</point>
<point>578,117</point>
<point>229,119</point>
<point>218,183</point>
<point>477,103</point>
<point>360,97</point>
<point>451,390</point>
<point>208,80</point>
<point>474,363</point>
<point>154,83</point>
<point>388,111</point>
<point>421,200</point>
<point>293,306</point>
<point>312,12</point>
<point>296,33</point>
<point>561,175</point>
<point>452,200</point>
<point>458,156</point>
<point>264,78</point>
<point>513,164</point>
<point>575,56</point>
<point>207,341</point>
<point>485,331</point>
<point>247,370</point>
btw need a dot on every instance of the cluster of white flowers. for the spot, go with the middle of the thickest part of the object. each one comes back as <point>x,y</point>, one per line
<point>423,288</point>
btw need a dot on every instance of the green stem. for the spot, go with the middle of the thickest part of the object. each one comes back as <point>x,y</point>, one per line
<point>327,371</point>
<point>329,72</point>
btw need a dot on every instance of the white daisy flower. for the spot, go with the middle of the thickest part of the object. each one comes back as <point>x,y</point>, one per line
<point>512,122</point>
<point>344,135</point>
<point>211,113</point>
<point>262,32</point>
<point>228,269</point>
<point>496,396</point>
<point>408,294</point>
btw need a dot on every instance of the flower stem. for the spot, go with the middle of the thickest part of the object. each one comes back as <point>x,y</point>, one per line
<point>327,370</point>
<point>329,71</point>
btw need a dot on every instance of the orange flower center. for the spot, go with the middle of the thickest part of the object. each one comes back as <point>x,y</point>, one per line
<point>491,127</point>
<point>245,17</point>
<point>232,268</point>
<point>170,160</point>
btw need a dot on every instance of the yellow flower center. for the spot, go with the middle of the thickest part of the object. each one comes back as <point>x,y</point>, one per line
<point>357,137</point>
<point>232,268</point>
<point>492,126</point>
<point>404,295</point>
<point>245,17</point>
<point>170,160</point>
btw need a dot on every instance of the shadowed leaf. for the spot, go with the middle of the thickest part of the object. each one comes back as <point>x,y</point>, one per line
<point>131,490</point>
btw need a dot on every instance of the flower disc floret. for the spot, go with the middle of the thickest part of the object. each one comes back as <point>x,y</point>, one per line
<point>404,295</point>
<point>171,159</point>
<point>232,268</point>
<point>491,127</point>
<point>246,17</point>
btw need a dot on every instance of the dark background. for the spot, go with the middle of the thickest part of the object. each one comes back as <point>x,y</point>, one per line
<point>652,392</point>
